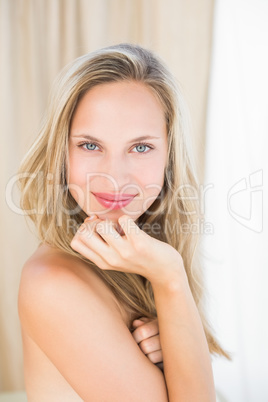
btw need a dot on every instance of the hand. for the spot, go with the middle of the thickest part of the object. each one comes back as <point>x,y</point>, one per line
<point>146,334</point>
<point>133,252</point>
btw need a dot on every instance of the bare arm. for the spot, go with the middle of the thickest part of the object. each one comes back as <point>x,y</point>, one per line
<point>187,367</point>
<point>80,329</point>
<point>183,336</point>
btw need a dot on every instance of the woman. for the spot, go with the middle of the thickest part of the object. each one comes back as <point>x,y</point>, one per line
<point>114,290</point>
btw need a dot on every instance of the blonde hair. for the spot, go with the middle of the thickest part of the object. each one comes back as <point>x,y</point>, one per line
<point>51,205</point>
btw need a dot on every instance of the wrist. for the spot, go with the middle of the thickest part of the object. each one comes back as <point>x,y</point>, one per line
<point>173,280</point>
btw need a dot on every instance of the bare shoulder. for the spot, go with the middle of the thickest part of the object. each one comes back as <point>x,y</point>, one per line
<point>47,257</point>
<point>74,320</point>
<point>52,270</point>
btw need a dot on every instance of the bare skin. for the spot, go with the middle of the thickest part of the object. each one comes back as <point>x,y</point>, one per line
<point>188,371</point>
<point>114,160</point>
<point>68,311</point>
<point>39,371</point>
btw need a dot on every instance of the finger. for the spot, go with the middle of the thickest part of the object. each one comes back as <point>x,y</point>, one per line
<point>140,321</point>
<point>88,243</point>
<point>90,218</point>
<point>137,323</point>
<point>109,234</point>
<point>146,330</point>
<point>128,226</point>
<point>87,252</point>
<point>150,345</point>
<point>104,240</point>
<point>156,357</point>
<point>88,234</point>
<point>145,319</point>
<point>88,227</point>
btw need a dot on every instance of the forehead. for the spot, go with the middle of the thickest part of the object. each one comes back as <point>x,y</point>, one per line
<point>121,105</point>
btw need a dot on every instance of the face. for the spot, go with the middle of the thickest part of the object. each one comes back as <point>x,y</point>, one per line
<point>117,150</point>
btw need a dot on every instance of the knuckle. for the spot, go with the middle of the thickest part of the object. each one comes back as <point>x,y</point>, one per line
<point>146,346</point>
<point>155,357</point>
<point>155,326</point>
<point>143,332</point>
<point>113,260</point>
<point>74,243</point>
<point>103,265</point>
<point>126,253</point>
<point>141,244</point>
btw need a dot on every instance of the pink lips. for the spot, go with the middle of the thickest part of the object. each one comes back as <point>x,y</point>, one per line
<point>114,201</point>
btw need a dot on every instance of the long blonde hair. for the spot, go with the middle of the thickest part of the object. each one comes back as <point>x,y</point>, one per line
<point>44,191</point>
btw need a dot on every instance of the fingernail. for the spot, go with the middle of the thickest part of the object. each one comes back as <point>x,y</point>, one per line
<point>137,322</point>
<point>90,218</point>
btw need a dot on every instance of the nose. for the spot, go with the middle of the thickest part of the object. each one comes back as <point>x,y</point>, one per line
<point>117,169</point>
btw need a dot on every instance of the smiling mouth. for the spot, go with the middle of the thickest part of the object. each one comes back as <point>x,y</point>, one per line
<point>114,201</point>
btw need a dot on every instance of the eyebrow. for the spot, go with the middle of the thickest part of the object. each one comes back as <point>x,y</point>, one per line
<point>92,138</point>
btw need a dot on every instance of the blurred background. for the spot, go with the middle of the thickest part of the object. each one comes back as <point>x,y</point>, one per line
<point>218,51</point>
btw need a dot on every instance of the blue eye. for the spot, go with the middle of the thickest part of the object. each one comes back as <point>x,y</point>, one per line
<point>142,148</point>
<point>139,148</point>
<point>90,146</point>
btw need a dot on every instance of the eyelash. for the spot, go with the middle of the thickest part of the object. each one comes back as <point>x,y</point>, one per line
<point>140,143</point>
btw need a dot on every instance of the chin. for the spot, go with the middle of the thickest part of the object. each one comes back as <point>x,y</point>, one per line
<point>115,215</point>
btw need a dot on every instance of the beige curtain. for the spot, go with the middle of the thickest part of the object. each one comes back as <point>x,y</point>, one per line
<point>37,38</point>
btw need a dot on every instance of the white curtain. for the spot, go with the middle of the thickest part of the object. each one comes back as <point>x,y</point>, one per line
<point>235,197</point>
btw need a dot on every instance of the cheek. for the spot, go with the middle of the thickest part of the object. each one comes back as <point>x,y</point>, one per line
<point>152,175</point>
<point>73,168</point>
<point>77,179</point>
<point>150,181</point>
<point>79,168</point>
